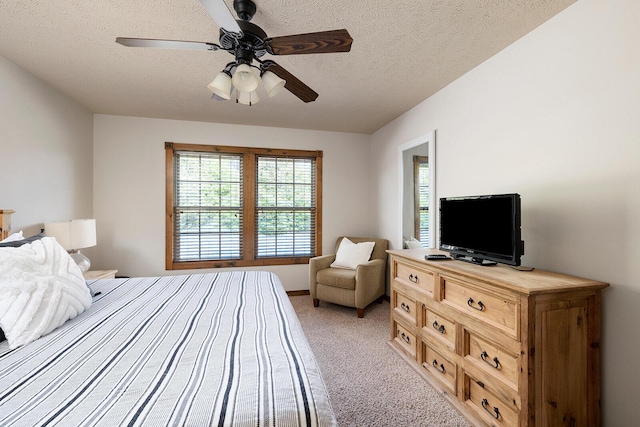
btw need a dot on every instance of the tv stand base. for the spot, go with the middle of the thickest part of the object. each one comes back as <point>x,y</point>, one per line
<point>477,261</point>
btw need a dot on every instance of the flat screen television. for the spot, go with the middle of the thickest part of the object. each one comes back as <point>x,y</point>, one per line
<point>482,229</point>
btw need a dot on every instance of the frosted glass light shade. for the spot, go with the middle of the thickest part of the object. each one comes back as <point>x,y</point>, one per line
<point>244,80</point>
<point>248,98</point>
<point>221,86</point>
<point>272,83</point>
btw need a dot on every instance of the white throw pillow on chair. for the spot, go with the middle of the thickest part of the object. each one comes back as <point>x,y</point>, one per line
<point>350,254</point>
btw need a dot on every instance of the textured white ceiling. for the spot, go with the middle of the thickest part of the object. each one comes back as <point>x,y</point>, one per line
<point>403,52</point>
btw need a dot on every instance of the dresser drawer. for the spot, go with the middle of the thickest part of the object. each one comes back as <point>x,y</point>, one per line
<point>439,327</point>
<point>488,406</point>
<point>405,339</point>
<point>424,279</point>
<point>405,307</point>
<point>497,310</point>
<point>440,367</point>
<point>491,358</point>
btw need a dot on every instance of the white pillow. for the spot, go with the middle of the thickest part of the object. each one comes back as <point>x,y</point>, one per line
<point>13,237</point>
<point>413,244</point>
<point>41,287</point>
<point>350,254</point>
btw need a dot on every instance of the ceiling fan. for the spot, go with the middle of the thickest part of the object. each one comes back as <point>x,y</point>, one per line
<point>248,43</point>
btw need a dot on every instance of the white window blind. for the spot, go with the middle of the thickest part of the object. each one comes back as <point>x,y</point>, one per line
<point>285,207</point>
<point>208,206</point>
<point>422,188</point>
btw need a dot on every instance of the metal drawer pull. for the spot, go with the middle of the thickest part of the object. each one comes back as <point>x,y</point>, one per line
<point>439,328</point>
<point>435,365</point>
<point>480,305</point>
<point>405,307</point>
<point>495,413</point>
<point>484,356</point>
<point>413,278</point>
<point>405,338</point>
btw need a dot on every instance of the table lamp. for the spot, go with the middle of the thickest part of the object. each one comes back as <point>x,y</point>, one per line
<point>73,235</point>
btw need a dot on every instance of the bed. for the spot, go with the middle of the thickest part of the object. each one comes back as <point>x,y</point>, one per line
<point>221,349</point>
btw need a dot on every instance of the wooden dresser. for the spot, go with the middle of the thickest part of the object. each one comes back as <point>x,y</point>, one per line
<point>505,347</point>
<point>5,223</point>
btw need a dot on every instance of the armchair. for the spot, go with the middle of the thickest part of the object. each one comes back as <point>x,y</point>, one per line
<point>352,288</point>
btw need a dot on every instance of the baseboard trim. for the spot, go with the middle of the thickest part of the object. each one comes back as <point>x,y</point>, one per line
<point>298,293</point>
<point>306,292</point>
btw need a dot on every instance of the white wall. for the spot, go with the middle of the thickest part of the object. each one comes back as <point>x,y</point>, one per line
<point>556,118</point>
<point>46,148</point>
<point>129,186</point>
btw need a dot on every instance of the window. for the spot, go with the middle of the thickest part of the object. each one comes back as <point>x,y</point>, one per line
<point>236,206</point>
<point>421,197</point>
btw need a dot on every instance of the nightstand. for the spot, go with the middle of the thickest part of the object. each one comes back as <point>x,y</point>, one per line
<point>99,274</point>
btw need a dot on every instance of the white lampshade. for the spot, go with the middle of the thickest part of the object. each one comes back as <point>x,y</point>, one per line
<point>248,98</point>
<point>221,86</point>
<point>244,80</point>
<point>272,83</point>
<point>73,234</point>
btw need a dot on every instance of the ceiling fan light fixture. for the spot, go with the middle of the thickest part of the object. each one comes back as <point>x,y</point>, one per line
<point>247,42</point>
<point>221,85</point>
<point>244,80</point>
<point>272,83</point>
<point>248,98</point>
<point>218,97</point>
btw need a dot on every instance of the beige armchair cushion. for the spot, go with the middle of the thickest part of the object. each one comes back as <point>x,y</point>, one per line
<point>338,277</point>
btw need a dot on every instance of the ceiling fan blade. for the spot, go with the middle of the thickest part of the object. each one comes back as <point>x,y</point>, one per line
<point>166,44</point>
<point>293,84</point>
<point>222,15</point>
<point>321,42</point>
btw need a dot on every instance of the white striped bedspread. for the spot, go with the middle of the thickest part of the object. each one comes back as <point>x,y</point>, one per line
<point>220,349</point>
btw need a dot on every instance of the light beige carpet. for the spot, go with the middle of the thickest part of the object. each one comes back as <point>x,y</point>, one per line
<point>368,383</point>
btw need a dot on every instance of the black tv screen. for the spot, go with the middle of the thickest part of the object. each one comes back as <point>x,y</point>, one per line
<point>482,228</point>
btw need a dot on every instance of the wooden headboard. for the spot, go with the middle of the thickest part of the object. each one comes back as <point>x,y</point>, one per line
<point>5,223</point>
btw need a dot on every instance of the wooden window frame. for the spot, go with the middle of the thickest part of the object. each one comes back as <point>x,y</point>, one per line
<point>250,155</point>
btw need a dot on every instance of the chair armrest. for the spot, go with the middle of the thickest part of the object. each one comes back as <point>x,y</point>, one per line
<point>321,262</point>
<point>316,264</point>
<point>372,264</point>
<point>370,281</point>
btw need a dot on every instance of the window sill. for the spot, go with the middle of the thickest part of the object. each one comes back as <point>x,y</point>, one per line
<point>194,265</point>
